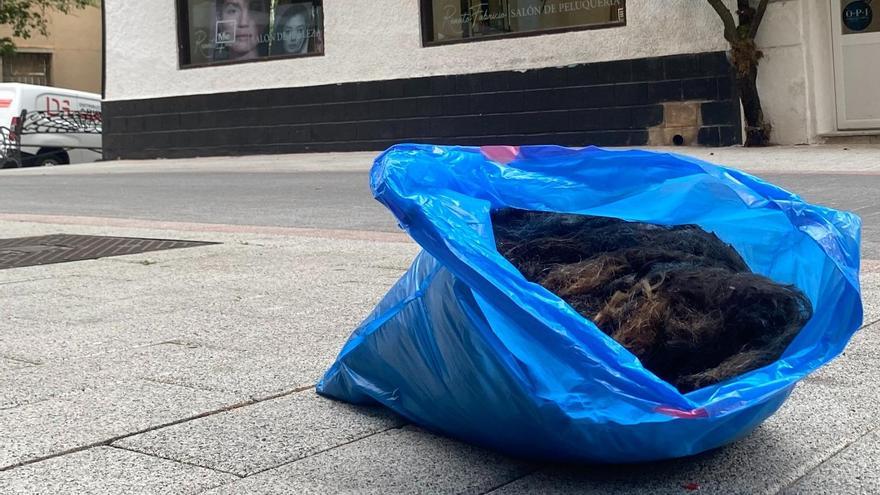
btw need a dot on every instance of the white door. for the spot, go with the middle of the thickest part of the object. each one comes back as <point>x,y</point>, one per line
<point>856,47</point>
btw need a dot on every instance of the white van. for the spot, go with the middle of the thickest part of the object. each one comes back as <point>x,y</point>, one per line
<point>74,144</point>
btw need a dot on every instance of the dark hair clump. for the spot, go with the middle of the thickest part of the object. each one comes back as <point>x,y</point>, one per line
<point>679,298</point>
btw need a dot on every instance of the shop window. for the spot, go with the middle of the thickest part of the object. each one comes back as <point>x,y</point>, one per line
<point>27,68</point>
<point>450,21</point>
<point>230,31</point>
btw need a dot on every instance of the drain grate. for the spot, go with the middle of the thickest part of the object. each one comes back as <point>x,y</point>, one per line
<point>61,248</point>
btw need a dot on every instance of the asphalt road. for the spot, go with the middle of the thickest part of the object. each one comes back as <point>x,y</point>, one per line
<point>332,200</point>
<point>317,199</point>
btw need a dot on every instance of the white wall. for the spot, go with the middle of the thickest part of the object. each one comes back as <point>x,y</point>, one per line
<point>380,39</point>
<point>821,106</point>
<point>796,75</point>
<point>781,73</point>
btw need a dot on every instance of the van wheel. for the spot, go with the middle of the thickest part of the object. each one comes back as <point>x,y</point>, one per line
<point>11,163</point>
<point>51,158</point>
<point>47,161</point>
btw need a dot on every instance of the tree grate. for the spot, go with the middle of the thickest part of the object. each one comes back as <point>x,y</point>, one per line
<point>60,248</point>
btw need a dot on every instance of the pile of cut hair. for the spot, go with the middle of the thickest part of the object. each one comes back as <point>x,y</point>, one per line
<point>679,298</point>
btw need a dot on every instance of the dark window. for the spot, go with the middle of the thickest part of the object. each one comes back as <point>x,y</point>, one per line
<point>449,21</point>
<point>230,31</point>
<point>28,68</point>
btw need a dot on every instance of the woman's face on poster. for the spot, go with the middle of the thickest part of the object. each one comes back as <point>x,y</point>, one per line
<point>295,34</point>
<point>250,19</point>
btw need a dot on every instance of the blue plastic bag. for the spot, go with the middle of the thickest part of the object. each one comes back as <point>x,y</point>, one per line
<point>464,345</point>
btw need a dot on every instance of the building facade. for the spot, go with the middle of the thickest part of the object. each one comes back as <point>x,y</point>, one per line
<point>69,57</point>
<point>209,77</point>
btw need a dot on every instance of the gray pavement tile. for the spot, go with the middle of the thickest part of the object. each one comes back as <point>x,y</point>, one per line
<point>9,278</point>
<point>250,281</point>
<point>26,385</point>
<point>89,308</point>
<point>854,470</point>
<point>98,412</point>
<point>405,460</point>
<point>12,364</point>
<point>859,360</point>
<point>870,283</point>
<point>106,470</point>
<point>264,435</point>
<point>243,373</point>
<point>325,303</point>
<point>51,341</point>
<point>282,297</point>
<point>297,319</point>
<point>829,410</point>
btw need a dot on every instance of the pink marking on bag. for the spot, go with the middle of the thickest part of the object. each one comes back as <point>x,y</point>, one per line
<point>500,154</point>
<point>682,413</point>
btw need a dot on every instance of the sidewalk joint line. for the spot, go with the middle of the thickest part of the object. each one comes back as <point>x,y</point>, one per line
<point>132,449</point>
<point>21,360</point>
<point>318,452</point>
<point>866,325</point>
<point>170,383</point>
<point>502,485</point>
<point>833,454</point>
<point>109,441</point>
<point>10,282</point>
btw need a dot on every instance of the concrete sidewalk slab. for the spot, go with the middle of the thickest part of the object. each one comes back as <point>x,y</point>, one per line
<point>238,296</point>
<point>110,471</point>
<point>265,313</point>
<point>55,341</point>
<point>102,412</point>
<point>858,362</point>
<point>855,469</point>
<point>247,375</point>
<point>265,435</point>
<point>821,418</point>
<point>12,364</point>
<point>405,460</point>
<point>32,384</point>
<point>870,285</point>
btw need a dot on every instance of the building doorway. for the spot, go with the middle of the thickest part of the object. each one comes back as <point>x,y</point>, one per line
<point>856,48</point>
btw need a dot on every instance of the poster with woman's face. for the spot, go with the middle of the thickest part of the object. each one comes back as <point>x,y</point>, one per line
<point>240,30</point>
<point>296,29</point>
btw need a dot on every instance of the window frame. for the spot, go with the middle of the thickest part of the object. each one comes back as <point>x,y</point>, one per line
<point>183,47</point>
<point>10,60</point>
<point>426,21</point>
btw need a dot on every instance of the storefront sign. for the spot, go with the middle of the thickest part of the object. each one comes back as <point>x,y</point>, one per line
<point>858,17</point>
<point>457,20</point>
<point>242,30</point>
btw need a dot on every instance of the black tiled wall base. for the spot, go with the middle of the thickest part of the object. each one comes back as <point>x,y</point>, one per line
<point>606,104</point>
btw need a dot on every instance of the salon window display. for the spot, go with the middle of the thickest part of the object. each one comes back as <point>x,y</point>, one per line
<point>453,21</point>
<point>228,31</point>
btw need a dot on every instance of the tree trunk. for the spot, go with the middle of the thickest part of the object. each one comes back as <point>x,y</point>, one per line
<point>745,56</point>
<point>757,131</point>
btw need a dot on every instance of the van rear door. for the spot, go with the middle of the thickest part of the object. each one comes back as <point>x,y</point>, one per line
<point>8,106</point>
<point>8,109</point>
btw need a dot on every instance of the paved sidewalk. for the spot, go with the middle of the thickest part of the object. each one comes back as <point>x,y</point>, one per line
<point>193,371</point>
